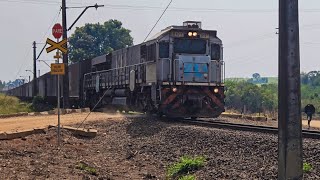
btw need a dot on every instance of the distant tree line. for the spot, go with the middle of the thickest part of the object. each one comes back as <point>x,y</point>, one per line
<point>310,89</point>
<point>246,97</point>
<point>2,84</point>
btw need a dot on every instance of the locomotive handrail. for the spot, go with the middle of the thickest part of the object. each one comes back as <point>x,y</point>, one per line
<point>103,71</point>
<point>114,69</point>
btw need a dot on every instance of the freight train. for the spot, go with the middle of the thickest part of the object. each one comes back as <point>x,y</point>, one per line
<point>179,72</point>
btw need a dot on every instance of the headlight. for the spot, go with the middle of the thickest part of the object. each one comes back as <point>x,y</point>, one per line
<point>190,34</point>
<point>174,89</point>
<point>195,34</point>
<point>216,90</point>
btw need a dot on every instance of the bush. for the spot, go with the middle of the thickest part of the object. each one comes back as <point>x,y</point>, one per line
<point>307,167</point>
<point>87,168</point>
<point>11,105</point>
<point>188,177</point>
<point>185,166</point>
<point>39,104</point>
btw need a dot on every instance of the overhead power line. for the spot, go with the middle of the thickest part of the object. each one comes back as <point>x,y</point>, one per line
<point>35,2</point>
<point>132,7</point>
<point>158,20</point>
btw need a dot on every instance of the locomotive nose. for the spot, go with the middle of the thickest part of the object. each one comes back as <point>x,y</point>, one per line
<point>193,104</point>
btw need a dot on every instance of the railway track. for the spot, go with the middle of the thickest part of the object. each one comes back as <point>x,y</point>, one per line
<point>245,127</point>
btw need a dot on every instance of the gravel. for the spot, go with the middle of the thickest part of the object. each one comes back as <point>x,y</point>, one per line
<point>143,148</point>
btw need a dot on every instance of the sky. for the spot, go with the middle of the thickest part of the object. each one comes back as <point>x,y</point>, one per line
<point>247,29</point>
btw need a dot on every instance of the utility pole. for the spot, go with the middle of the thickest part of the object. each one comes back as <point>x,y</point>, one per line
<point>65,55</point>
<point>290,161</point>
<point>65,58</point>
<point>35,92</point>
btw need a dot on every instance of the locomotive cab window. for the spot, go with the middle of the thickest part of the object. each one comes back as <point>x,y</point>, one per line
<point>164,50</point>
<point>143,53</point>
<point>215,52</point>
<point>190,46</point>
<point>151,52</point>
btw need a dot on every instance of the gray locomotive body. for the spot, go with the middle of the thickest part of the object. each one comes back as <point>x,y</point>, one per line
<point>178,73</point>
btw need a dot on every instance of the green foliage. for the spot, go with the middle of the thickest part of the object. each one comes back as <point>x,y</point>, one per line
<point>311,78</point>
<point>188,177</point>
<point>2,84</point>
<point>310,95</point>
<point>255,98</point>
<point>185,166</point>
<point>87,168</point>
<point>307,167</point>
<point>37,100</point>
<point>11,105</point>
<point>94,40</point>
<point>264,98</point>
<point>39,104</point>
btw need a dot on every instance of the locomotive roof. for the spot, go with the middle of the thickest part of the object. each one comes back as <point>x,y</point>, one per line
<point>166,30</point>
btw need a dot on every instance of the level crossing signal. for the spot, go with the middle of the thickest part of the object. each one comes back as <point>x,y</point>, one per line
<point>56,45</point>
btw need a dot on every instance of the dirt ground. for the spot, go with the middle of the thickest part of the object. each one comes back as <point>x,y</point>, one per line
<point>131,147</point>
<point>42,121</point>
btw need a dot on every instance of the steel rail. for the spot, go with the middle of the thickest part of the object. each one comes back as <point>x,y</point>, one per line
<point>245,127</point>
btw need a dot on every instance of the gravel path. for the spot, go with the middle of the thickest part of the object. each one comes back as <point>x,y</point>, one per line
<point>142,148</point>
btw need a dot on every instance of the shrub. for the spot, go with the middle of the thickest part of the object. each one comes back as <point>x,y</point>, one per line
<point>87,168</point>
<point>188,177</point>
<point>185,166</point>
<point>39,104</point>
<point>11,105</point>
<point>307,167</point>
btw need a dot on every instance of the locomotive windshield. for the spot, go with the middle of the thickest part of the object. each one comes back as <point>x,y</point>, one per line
<point>190,46</point>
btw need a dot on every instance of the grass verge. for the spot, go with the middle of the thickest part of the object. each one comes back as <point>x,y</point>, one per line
<point>11,105</point>
<point>87,168</point>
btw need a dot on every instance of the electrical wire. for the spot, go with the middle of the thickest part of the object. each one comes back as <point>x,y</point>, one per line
<point>115,6</point>
<point>158,20</point>
<point>29,51</point>
<point>54,20</point>
<point>34,2</point>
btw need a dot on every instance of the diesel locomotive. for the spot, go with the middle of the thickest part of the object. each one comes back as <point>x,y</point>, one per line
<point>179,72</point>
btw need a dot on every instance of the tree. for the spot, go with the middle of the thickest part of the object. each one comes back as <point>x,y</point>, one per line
<point>254,98</point>
<point>93,40</point>
<point>256,76</point>
<point>311,78</point>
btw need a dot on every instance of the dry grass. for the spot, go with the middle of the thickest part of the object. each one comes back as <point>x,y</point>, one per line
<point>11,105</point>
